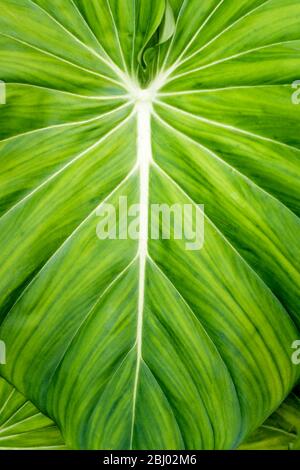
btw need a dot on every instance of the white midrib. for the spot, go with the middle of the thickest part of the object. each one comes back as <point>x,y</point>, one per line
<point>144,158</point>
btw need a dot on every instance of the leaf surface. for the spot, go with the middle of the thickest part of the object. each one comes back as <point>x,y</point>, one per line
<point>141,343</point>
<point>22,426</point>
<point>281,431</point>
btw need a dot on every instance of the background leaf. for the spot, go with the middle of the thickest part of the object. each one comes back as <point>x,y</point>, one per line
<point>281,431</point>
<point>22,426</point>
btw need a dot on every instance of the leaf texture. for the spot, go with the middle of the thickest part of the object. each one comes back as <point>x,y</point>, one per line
<point>22,426</point>
<point>143,344</point>
<point>281,431</point>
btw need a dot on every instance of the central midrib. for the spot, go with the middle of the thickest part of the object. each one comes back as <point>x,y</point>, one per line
<point>144,157</point>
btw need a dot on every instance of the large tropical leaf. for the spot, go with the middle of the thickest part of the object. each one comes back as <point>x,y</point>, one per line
<point>143,343</point>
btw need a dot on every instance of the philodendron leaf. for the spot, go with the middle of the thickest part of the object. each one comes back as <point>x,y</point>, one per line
<point>136,342</point>
<point>281,431</point>
<point>22,425</point>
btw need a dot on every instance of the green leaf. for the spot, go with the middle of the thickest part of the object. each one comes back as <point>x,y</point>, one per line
<point>167,28</point>
<point>281,431</point>
<point>22,426</point>
<point>143,343</point>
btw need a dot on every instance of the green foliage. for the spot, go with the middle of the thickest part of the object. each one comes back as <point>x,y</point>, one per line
<point>281,431</point>
<point>123,345</point>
